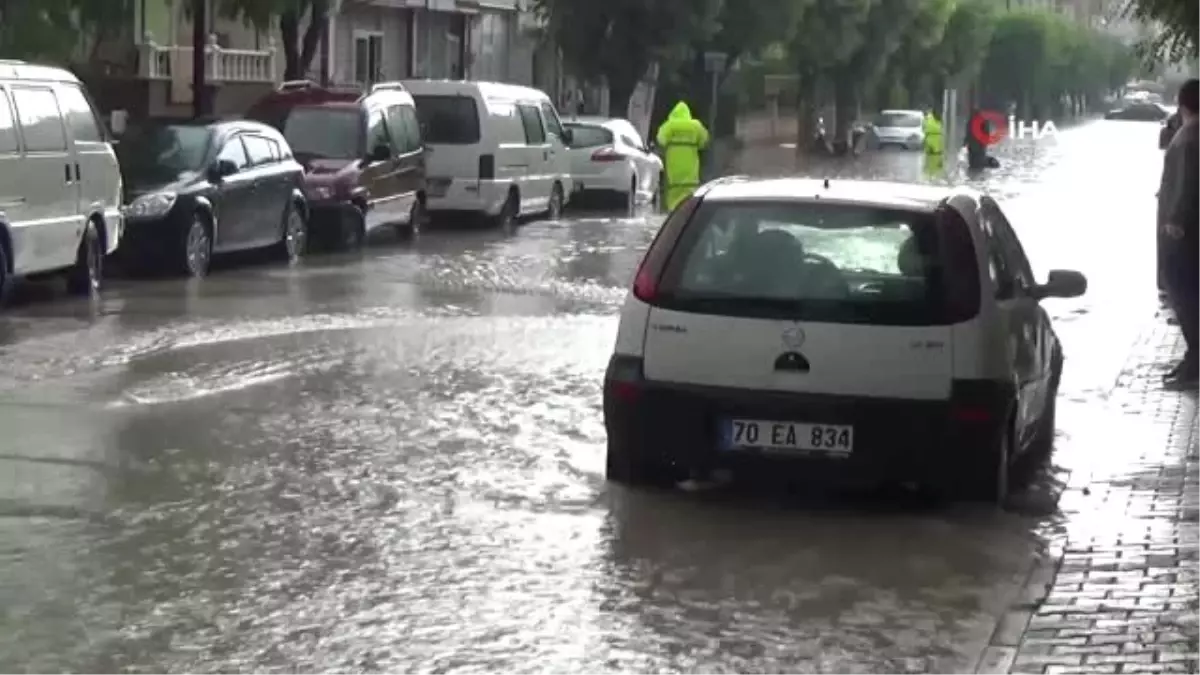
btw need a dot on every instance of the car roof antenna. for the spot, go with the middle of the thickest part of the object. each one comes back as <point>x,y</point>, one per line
<point>826,183</point>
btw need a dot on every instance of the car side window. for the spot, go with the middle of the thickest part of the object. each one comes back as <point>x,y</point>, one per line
<point>80,115</point>
<point>552,122</point>
<point>630,142</point>
<point>998,266</point>
<point>1014,253</point>
<point>377,131</point>
<point>234,151</point>
<point>276,154</point>
<point>396,130</point>
<point>412,128</point>
<point>40,120</point>
<point>258,150</point>
<point>531,120</point>
<point>8,126</point>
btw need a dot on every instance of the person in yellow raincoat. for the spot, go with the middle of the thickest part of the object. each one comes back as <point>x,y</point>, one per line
<point>934,145</point>
<point>681,138</point>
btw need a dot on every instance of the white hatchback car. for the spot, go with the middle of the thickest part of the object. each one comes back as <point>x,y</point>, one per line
<point>609,155</point>
<point>854,331</point>
<point>899,128</point>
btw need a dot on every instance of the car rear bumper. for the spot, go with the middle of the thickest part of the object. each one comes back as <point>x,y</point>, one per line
<point>613,179</point>
<point>484,197</point>
<point>895,440</point>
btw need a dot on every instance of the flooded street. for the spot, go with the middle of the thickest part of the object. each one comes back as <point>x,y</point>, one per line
<point>394,462</point>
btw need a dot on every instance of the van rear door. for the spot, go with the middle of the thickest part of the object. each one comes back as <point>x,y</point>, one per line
<point>805,297</point>
<point>453,133</point>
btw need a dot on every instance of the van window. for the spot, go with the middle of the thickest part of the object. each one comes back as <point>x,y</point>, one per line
<point>8,126</point>
<point>552,121</point>
<point>401,122</point>
<point>412,128</point>
<point>808,261</point>
<point>315,132</point>
<point>449,120</point>
<point>41,124</point>
<point>81,117</point>
<point>535,134</point>
<point>377,131</point>
<point>258,150</point>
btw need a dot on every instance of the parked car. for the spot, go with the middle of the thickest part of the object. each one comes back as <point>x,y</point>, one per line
<point>849,330</point>
<point>899,128</point>
<point>609,156</point>
<point>1144,111</point>
<point>60,187</point>
<point>196,189</point>
<point>493,150</point>
<point>362,154</point>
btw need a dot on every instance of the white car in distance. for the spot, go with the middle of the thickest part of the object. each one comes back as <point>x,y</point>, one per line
<point>899,128</point>
<point>609,156</point>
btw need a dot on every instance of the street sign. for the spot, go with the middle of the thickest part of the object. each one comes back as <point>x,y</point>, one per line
<point>714,62</point>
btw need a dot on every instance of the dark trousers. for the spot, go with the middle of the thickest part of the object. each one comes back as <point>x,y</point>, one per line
<point>1161,267</point>
<point>1183,280</point>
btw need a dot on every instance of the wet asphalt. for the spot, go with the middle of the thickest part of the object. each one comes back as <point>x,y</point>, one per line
<point>394,461</point>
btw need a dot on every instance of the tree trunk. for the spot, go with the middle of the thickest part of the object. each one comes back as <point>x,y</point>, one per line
<point>318,21</point>
<point>289,31</point>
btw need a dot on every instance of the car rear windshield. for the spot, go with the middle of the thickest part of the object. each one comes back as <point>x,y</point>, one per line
<point>448,120</point>
<point>900,120</point>
<point>316,132</point>
<point>589,136</point>
<point>819,261</point>
<point>162,152</point>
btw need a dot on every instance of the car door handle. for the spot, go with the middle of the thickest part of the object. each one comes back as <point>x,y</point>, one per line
<point>12,201</point>
<point>77,172</point>
<point>67,173</point>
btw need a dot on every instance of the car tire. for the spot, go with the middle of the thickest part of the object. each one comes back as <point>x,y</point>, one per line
<point>351,231</point>
<point>294,243</point>
<point>195,247</point>
<point>554,208</point>
<point>621,467</point>
<point>416,220</point>
<point>6,279</point>
<point>987,480</point>
<point>1043,442</point>
<point>87,274</point>
<point>631,196</point>
<point>507,218</point>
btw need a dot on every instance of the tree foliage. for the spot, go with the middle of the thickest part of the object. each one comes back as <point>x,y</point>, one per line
<point>55,30</point>
<point>300,24</point>
<point>1179,20</point>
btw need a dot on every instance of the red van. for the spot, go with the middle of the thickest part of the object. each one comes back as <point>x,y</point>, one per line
<point>362,153</point>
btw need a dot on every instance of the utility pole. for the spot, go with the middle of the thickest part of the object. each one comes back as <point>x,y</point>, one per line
<point>714,63</point>
<point>200,104</point>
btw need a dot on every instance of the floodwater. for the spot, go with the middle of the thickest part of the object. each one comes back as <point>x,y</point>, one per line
<point>394,461</point>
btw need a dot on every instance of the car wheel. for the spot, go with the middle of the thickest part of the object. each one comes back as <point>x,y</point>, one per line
<point>507,218</point>
<point>196,247</point>
<point>631,196</point>
<point>6,279</point>
<point>987,480</point>
<point>621,467</point>
<point>294,243</point>
<point>1043,442</point>
<point>416,219</point>
<point>351,231</point>
<point>555,207</point>
<point>86,276</point>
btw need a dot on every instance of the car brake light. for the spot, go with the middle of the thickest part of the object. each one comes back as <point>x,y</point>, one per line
<point>645,286</point>
<point>607,155</point>
<point>624,377</point>
<point>971,414</point>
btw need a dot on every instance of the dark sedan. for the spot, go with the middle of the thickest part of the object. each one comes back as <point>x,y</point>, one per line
<point>1139,112</point>
<point>197,189</point>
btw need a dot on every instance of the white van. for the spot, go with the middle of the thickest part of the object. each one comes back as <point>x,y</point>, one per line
<point>497,150</point>
<point>60,184</point>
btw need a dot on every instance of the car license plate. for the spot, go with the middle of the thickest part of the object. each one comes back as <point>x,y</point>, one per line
<point>830,439</point>
<point>438,187</point>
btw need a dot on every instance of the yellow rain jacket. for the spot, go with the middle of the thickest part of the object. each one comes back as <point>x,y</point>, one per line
<point>681,138</point>
<point>934,143</point>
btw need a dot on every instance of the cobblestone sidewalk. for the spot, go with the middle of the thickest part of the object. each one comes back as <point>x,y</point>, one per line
<point>1122,597</point>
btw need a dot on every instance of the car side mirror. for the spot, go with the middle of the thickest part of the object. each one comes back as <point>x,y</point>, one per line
<point>1062,284</point>
<point>220,169</point>
<point>568,137</point>
<point>380,153</point>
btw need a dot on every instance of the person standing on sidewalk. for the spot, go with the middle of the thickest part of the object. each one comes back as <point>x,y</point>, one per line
<point>681,138</point>
<point>1163,242</point>
<point>1179,220</point>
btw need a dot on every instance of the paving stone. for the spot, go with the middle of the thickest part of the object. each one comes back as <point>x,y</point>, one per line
<point>1127,593</point>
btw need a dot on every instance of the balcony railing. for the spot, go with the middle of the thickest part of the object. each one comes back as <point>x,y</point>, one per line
<point>174,62</point>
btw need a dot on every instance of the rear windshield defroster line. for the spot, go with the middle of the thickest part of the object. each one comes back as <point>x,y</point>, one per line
<point>823,262</point>
<point>448,120</point>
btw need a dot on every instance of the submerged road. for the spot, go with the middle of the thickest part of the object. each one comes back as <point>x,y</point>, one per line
<point>394,462</point>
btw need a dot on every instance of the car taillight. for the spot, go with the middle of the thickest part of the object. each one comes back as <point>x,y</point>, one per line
<point>980,402</point>
<point>645,285</point>
<point>650,271</point>
<point>972,414</point>
<point>624,378</point>
<point>487,167</point>
<point>607,155</point>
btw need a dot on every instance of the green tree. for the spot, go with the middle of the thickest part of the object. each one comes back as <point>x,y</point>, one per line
<point>55,30</point>
<point>827,35</point>
<point>1180,21</point>
<point>883,32</point>
<point>298,45</point>
<point>616,41</point>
